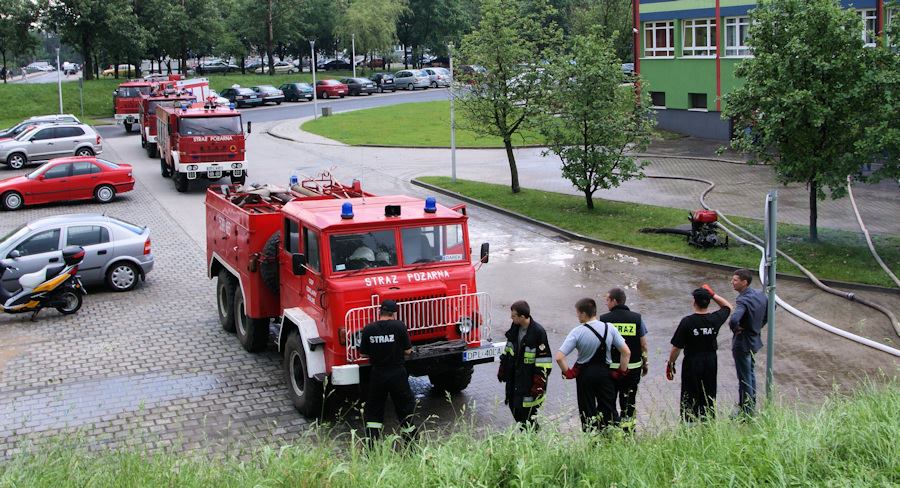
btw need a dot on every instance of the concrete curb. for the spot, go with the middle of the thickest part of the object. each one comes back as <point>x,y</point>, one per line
<point>637,250</point>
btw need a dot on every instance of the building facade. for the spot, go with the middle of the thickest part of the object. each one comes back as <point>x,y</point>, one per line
<point>687,51</point>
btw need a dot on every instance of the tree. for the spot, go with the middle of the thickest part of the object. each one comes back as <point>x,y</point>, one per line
<point>508,44</point>
<point>15,38</point>
<point>610,16</point>
<point>590,118</point>
<point>373,22</point>
<point>804,101</point>
<point>82,23</point>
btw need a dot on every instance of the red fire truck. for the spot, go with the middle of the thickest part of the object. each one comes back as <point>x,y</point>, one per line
<point>318,259</point>
<point>148,115</point>
<point>200,141</point>
<point>127,101</point>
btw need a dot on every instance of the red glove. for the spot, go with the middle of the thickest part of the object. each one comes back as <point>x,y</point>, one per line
<point>569,374</point>
<point>709,289</point>
<point>501,375</point>
<point>617,374</point>
<point>538,385</point>
<point>670,371</point>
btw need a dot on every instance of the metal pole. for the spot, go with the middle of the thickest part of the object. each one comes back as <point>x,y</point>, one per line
<point>452,118</point>
<point>771,258</point>
<point>353,53</point>
<point>59,81</point>
<point>312,67</point>
<point>81,93</point>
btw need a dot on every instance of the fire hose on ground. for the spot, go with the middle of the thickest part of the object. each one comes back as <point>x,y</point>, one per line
<point>788,307</point>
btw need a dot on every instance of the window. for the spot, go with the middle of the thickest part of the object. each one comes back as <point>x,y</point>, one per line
<point>658,99</point>
<point>46,241</point>
<point>869,26</point>
<point>432,244</point>
<point>659,39</point>
<point>699,37</point>
<point>58,171</point>
<point>697,101</point>
<point>209,126</point>
<point>291,236</point>
<point>375,249</point>
<point>84,168</point>
<point>736,30</point>
<point>108,164</point>
<point>87,235</point>
<point>41,135</point>
<point>311,244</point>
<point>69,132</point>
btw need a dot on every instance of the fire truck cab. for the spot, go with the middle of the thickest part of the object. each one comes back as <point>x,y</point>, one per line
<point>200,141</point>
<point>320,258</point>
<point>127,101</point>
<point>147,115</point>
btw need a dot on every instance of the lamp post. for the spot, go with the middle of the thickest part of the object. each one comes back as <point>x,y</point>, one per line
<point>59,82</point>
<point>353,53</point>
<point>312,67</point>
<point>452,119</point>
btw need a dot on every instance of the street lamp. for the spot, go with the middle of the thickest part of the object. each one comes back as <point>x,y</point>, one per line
<point>452,119</point>
<point>353,53</point>
<point>312,67</point>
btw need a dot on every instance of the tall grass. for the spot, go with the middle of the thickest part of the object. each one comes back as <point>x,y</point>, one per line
<point>847,442</point>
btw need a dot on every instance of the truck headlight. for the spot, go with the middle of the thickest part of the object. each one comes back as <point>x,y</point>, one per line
<point>192,167</point>
<point>465,325</point>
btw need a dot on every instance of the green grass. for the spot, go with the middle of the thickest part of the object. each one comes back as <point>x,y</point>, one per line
<point>846,442</point>
<point>840,255</point>
<point>21,100</point>
<point>423,124</point>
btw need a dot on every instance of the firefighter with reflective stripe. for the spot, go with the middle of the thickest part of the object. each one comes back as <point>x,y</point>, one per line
<point>631,326</point>
<point>386,344</point>
<point>525,365</point>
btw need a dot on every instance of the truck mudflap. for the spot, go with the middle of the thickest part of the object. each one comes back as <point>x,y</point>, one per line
<point>449,354</point>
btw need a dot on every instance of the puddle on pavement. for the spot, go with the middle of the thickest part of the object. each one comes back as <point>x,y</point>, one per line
<point>84,402</point>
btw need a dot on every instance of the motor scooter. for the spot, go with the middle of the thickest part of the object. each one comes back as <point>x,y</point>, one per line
<point>55,286</point>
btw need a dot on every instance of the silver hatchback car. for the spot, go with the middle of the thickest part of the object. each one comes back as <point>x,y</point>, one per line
<point>410,79</point>
<point>47,141</point>
<point>117,253</point>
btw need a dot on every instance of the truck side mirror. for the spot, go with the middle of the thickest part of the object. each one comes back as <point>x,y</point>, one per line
<point>15,254</point>
<point>248,127</point>
<point>485,252</point>
<point>298,264</point>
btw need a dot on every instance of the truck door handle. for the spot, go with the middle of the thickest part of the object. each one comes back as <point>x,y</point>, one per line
<point>54,260</point>
<point>101,253</point>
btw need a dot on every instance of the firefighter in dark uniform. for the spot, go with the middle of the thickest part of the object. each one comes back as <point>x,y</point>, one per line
<point>631,326</point>
<point>525,365</point>
<point>696,335</point>
<point>386,343</point>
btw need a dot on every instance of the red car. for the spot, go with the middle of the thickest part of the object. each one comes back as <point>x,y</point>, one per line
<point>61,179</point>
<point>331,88</point>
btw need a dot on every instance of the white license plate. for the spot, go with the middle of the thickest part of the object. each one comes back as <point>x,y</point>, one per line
<point>485,353</point>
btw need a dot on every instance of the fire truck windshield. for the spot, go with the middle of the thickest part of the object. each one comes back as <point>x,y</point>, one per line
<point>376,249</point>
<point>209,126</point>
<point>132,91</point>
<point>432,244</point>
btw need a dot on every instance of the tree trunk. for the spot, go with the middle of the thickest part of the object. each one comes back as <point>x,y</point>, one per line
<point>513,171</point>
<point>269,39</point>
<point>87,71</point>
<point>589,199</point>
<point>813,211</point>
<point>4,68</point>
<point>243,65</point>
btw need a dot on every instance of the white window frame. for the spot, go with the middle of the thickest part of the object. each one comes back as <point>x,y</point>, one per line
<point>655,51</point>
<point>869,35</point>
<point>736,47</point>
<point>690,25</point>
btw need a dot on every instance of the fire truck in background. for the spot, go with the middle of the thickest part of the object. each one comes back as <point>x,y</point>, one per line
<point>319,258</point>
<point>165,98</point>
<point>200,141</point>
<point>127,101</point>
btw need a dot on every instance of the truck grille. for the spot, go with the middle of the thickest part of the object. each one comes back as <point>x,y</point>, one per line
<point>427,318</point>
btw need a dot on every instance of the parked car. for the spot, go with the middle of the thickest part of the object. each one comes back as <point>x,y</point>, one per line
<point>242,97</point>
<point>125,71</point>
<point>384,82</point>
<point>330,88</point>
<point>39,66</point>
<point>281,67</point>
<point>410,79</point>
<point>48,141</point>
<point>220,100</point>
<point>294,92</point>
<point>372,63</point>
<point>337,64</point>
<point>117,253</point>
<point>216,67</point>
<point>269,93</point>
<point>439,62</point>
<point>439,77</point>
<point>252,65</point>
<point>63,179</point>
<point>358,86</point>
<point>70,68</point>
<point>36,120</point>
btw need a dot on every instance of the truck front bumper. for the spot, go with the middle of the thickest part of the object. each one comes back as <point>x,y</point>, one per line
<point>429,358</point>
<point>129,118</point>
<point>212,169</point>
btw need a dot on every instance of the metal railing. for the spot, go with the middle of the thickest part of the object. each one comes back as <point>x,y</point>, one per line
<point>426,317</point>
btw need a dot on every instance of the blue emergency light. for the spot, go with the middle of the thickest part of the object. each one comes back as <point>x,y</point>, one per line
<point>347,210</point>
<point>294,180</point>
<point>231,105</point>
<point>430,205</point>
<point>183,106</point>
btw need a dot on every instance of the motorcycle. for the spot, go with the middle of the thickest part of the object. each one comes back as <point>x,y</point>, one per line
<point>55,286</point>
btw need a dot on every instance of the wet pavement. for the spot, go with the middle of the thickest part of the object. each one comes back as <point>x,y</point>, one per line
<point>153,366</point>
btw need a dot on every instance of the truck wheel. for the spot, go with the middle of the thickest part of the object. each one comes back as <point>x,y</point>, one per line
<point>143,142</point>
<point>268,267</point>
<point>163,168</point>
<point>151,149</point>
<point>128,127</point>
<point>181,182</point>
<point>225,286</point>
<point>305,392</point>
<point>453,381</point>
<point>251,333</point>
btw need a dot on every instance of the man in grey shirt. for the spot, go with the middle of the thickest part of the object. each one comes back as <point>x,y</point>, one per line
<point>746,323</point>
<point>594,380</point>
